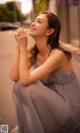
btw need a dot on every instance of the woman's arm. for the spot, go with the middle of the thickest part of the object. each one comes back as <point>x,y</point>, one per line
<point>14,73</point>
<point>54,61</point>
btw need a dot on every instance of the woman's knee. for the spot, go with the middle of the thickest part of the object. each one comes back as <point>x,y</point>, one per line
<point>36,92</point>
<point>16,87</point>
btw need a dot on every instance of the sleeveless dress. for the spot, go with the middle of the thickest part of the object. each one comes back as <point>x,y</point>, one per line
<point>51,105</point>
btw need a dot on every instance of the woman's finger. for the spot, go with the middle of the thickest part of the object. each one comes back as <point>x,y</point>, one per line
<point>23,31</point>
<point>19,32</point>
<point>17,35</point>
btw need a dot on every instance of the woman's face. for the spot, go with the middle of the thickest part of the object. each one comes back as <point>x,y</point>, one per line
<point>39,27</point>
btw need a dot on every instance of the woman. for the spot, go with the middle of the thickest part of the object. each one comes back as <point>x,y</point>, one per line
<point>47,97</point>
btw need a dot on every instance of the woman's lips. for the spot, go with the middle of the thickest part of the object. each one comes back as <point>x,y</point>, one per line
<point>32,29</point>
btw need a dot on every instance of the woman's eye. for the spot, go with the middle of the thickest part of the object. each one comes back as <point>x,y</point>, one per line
<point>39,21</point>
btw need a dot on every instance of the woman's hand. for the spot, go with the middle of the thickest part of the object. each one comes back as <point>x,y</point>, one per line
<point>21,38</point>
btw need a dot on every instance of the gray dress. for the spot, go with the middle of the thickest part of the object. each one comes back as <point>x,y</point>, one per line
<point>51,105</point>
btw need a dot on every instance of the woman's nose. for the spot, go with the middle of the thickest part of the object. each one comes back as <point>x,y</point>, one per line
<point>33,23</point>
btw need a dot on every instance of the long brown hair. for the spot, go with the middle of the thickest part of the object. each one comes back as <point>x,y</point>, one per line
<point>53,40</point>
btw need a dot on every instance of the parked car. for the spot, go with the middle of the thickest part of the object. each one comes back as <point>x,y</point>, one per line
<point>17,24</point>
<point>7,26</point>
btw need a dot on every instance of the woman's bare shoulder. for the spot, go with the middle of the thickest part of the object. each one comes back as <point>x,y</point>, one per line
<point>60,57</point>
<point>57,52</point>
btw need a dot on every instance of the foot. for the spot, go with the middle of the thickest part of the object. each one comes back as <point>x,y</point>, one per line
<point>15,130</point>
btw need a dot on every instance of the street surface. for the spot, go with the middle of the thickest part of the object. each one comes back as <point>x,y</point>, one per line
<point>7,48</point>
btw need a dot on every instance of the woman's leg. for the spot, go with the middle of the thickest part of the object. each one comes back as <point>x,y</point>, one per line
<point>39,109</point>
<point>51,108</point>
<point>20,113</point>
<point>25,110</point>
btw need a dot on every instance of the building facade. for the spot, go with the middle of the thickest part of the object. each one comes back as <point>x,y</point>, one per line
<point>68,12</point>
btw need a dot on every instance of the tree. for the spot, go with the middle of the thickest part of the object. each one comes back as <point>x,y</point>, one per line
<point>7,13</point>
<point>42,5</point>
<point>3,13</point>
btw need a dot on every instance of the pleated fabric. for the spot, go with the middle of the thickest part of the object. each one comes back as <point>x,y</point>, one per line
<point>51,105</point>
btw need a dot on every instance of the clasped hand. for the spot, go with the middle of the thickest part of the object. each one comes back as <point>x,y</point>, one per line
<point>21,38</point>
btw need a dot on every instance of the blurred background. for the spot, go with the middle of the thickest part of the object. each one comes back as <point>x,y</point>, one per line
<point>20,13</point>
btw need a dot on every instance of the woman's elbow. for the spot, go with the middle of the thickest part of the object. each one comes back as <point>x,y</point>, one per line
<point>14,78</point>
<point>23,82</point>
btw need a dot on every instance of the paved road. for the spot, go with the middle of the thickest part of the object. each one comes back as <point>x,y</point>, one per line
<point>7,48</point>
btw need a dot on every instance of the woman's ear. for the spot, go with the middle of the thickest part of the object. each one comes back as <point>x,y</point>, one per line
<point>50,31</point>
